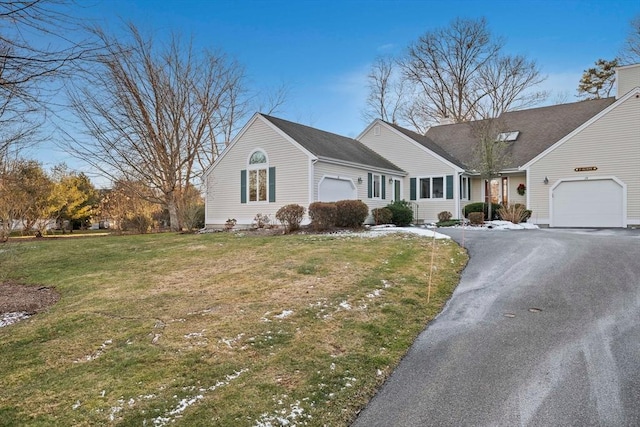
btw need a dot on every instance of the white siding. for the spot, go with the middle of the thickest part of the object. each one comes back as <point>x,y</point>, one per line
<point>223,184</point>
<point>627,78</point>
<point>514,182</point>
<point>322,169</point>
<point>417,161</point>
<point>611,143</point>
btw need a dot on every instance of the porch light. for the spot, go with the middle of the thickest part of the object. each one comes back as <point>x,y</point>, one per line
<point>390,180</point>
<point>546,180</point>
<point>359,180</point>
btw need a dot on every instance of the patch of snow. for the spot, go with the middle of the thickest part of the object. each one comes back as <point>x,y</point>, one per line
<point>499,225</point>
<point>11,318</point>
<point>184,403</point>
<point>194,334</point>
<point>230,341</point>
<point>284,314</point>
<point>374,294</point>
<point>382,230</point>
<point>345,305</point>
<point>283,417</point>
<point>99,352</point>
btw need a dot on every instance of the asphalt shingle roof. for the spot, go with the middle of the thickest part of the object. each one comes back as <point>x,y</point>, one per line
<point>332,146</point>
<point>539,129</point>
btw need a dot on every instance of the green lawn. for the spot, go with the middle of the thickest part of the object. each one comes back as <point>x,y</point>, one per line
<point>223,329</point>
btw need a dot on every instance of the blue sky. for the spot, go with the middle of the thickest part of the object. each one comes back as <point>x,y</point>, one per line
<point>322,50</point>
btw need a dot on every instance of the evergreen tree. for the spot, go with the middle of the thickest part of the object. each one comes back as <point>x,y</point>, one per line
<point>597,82</point>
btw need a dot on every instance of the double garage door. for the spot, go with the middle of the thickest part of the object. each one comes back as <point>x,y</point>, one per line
<point>588,203</point>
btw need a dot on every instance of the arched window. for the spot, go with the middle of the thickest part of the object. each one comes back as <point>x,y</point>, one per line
<point>258,177</point>
<point>257,158</point>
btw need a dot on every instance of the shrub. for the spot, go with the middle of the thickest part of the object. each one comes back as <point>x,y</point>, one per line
<point>261,221</point>
<point>230,223</point>
<point>482,207</point>
<point>515,213</point>
<point>291,216</point>
<point>323,215</point>
<point>193,216</point>
<point>476,218</point>
<point>402,213</point>
<point>449,223</point>
<point>382,216</point>
<point>138,223</point>
<point>351,213</point>
<point>527,212</point>
<point>444,216</point>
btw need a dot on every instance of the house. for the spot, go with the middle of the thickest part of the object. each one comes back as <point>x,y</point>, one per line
<point>273,162</point>
<point>579,164</point>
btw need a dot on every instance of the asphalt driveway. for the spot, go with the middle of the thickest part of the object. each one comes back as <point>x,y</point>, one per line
<point>543,330</point>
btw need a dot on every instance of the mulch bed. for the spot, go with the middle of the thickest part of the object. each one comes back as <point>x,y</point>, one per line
<point>16,297</point>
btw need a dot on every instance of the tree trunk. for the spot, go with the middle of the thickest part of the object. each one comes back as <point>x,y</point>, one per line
<point>489,201</point>
<point>172,207</point>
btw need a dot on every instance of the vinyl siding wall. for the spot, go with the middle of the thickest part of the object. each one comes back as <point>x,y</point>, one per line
<point>627,79</point>
<point>417,162</point>
<point>612,144</point>
<point>322,169</point>
<point>223,183</point>
<point>513,196</point>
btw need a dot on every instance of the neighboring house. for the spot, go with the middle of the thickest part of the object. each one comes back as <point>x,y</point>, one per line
<point>274,162</point>
<point>580,163</point>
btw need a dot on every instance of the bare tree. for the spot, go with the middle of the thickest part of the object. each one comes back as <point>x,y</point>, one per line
<point>459,73</point>
<point>386,92</point>
<point>630,52</point>
<point>598,82</point>
<point>155,116</point>
<point>508,81</point>
<point>491,152</point>
<point>39,41</point>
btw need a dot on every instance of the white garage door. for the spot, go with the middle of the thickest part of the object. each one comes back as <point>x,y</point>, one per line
<point>334,189</point>
<point>589,203</point>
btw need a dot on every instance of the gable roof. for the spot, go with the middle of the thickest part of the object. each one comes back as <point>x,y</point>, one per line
<point>427,143</point>
<point>539,128</point>
<point>632,93</point>
<point>330,146</point>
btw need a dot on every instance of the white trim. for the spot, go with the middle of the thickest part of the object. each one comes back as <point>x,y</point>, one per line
<point>393,188</point>
<point>246,127</point>
<point>462,177</point>
<point>588,178</point>
<point>431,177</point>
<point>311,173</point>
<point>455,167</point>
<point>361,166</point>
<point>257,165</point>
<point>580,128</point>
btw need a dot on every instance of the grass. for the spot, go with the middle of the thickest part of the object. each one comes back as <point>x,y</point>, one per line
<point>220,329</point>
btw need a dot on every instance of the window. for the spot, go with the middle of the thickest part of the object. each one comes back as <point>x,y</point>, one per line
<point>259,177</point>
<point>376,186</point>
<point>432,187</point>
<point>464,188</point>
<point>508,136</point>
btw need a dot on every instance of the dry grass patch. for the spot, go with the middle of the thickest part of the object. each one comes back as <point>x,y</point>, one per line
<point>220,329</point>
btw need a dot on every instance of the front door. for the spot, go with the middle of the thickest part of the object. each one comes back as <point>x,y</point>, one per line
<point>499,190</point>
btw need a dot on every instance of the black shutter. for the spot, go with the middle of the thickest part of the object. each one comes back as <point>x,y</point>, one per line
<point>272,184</point>
<point>449,190</point>
<point>412,189</point>
<point>243,186</point>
